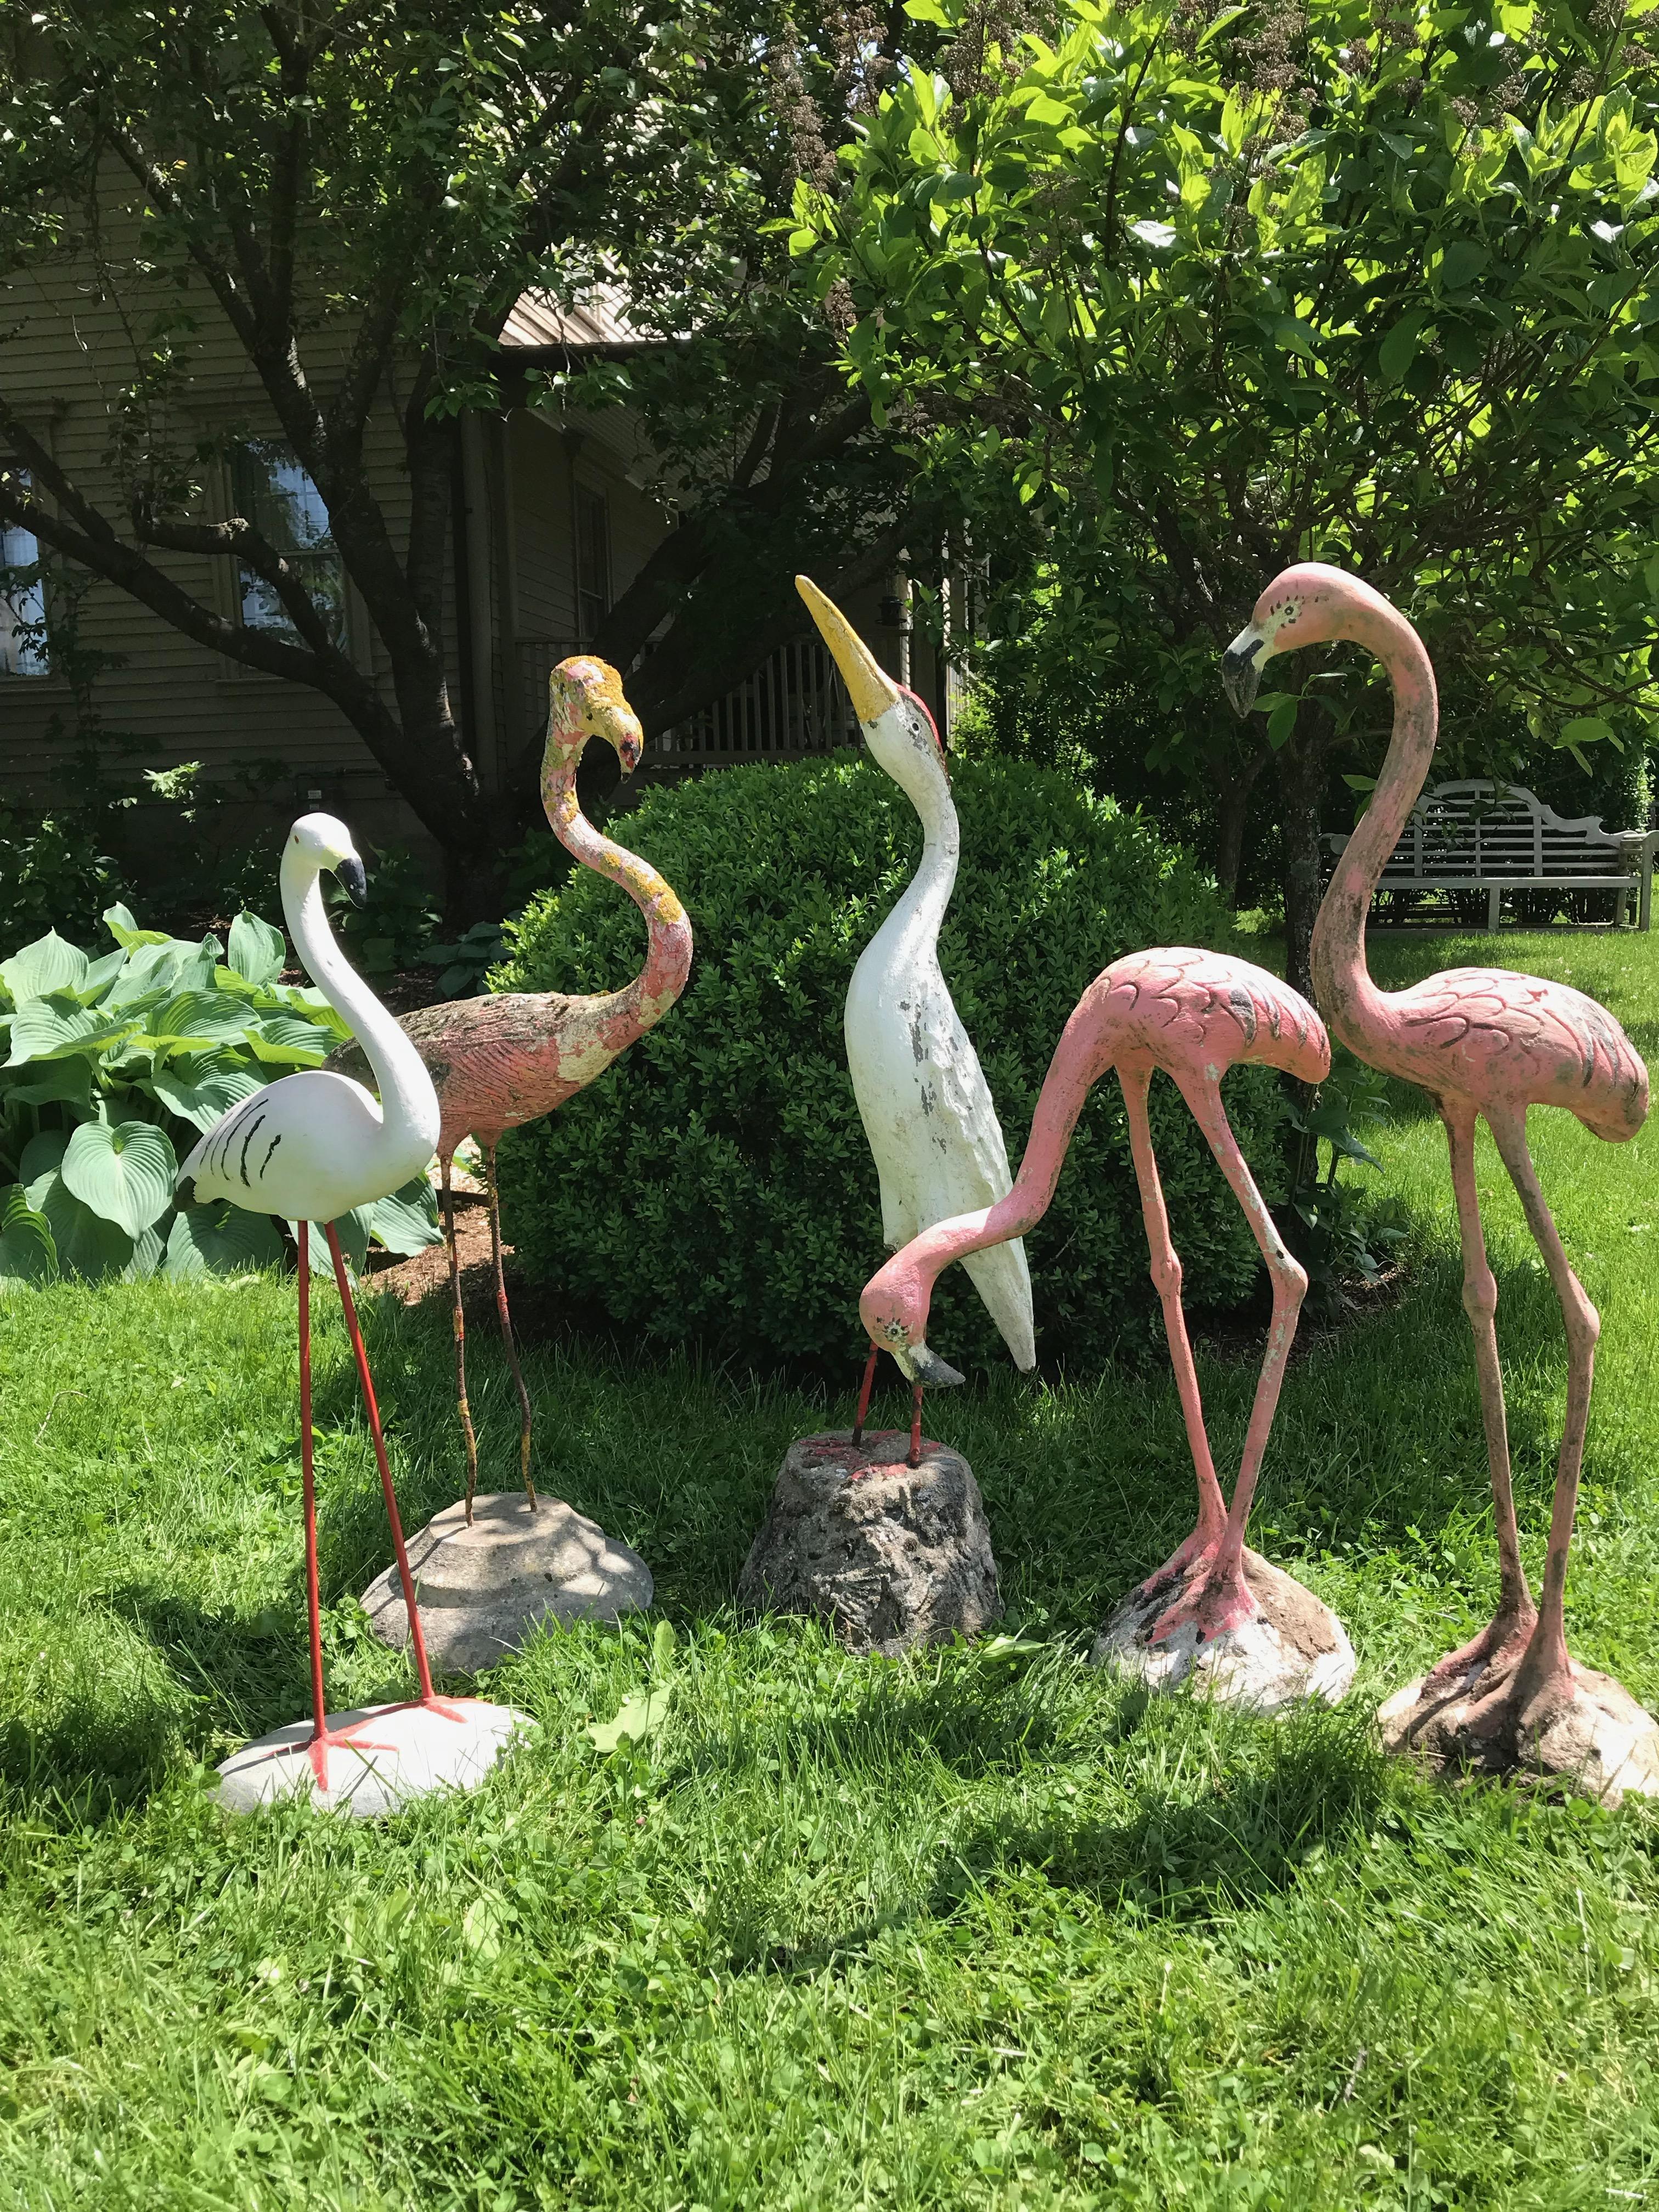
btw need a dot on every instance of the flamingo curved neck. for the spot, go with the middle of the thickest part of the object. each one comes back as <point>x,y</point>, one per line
<point>668,952</point>
<point>407,1102</point>
<point>1351,1002</point>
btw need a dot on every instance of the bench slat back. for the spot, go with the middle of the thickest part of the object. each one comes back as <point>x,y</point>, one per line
<point>1477,828</point>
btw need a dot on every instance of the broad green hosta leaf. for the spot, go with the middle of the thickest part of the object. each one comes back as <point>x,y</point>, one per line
<point>43,1156</point>
<point>48,1028</point>
<point>48,964</point>
<point>27,1254</point>
<point>287,1041</point>
<point>87,1244</point>
<point>198,1017</point>
<point>126,1173</point>
<point>148,1251</point>
<point>408,1220</point>
<point>258,952</point>
<point>68,1082</point>
<point>201,1088</point>
<point>122,925</point>
<point>219,1240</point>
<point>151,973</point>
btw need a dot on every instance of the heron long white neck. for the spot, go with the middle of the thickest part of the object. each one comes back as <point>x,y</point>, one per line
<point>928,787</point>
<point>409,1103</point>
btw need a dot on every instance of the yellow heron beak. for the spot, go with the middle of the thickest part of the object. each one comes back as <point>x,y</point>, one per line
<point>873,690</point>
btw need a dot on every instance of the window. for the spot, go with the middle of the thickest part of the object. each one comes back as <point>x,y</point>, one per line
<point>593,561</point>
<point>273,492</point>
<point>23,595</point>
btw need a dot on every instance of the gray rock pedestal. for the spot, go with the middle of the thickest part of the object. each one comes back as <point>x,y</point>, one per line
<point>1598,1741</point>
<point>1294,1648</point>
<point>395,1755</point>
<point>483,1589</point>
<point>894,1555</point>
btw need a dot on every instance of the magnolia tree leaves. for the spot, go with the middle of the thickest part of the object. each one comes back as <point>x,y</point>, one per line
<point>116,1065</point>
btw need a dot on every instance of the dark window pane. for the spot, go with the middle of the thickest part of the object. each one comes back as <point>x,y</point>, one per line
<point>274,493</point>
<point>23,597</point>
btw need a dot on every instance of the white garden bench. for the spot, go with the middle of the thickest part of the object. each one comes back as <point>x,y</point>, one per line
<point>1479,836</point>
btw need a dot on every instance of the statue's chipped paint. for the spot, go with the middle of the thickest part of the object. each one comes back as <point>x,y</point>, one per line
<point>1481,1041</point>
<point>511,1057</point>
<point>926,1107</point>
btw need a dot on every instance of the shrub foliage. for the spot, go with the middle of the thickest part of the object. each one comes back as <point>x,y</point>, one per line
<point>716,1184</point>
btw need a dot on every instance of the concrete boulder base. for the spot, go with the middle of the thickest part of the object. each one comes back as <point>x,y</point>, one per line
<point>1598,1741</point>
<point>484,1588</point>
<point>894,1555</point>
<point>1294,1648</point>
<point>396,1755</point>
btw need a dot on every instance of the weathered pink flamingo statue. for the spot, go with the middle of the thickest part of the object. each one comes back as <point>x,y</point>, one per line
<point>1193,1014</point>
<point>1479,1040</point>
<point>512,1057</point>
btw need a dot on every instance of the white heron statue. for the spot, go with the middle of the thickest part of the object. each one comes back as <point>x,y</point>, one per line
<point>926,1107</point>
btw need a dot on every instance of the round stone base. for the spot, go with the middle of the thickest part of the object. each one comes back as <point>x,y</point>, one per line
<point>893,1555</point>
<point>1601,1742</point>
<point>1294,1648</point>
<point>396,1754</point>
<point>483,1589</point>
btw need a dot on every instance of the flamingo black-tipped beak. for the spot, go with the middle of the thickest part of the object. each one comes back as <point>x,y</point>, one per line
<point>630,745</point>
<point>351,874</point>
<point>927,1367</point>
<point>1241,670</point>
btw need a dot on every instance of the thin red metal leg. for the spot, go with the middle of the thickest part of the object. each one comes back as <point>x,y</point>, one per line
<point>864,1394</point>
<point>915,1425</point>
<point>423,1673</point>
<point>308,1477</point>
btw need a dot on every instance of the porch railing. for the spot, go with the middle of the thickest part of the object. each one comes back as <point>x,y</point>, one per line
<point>795,703</point>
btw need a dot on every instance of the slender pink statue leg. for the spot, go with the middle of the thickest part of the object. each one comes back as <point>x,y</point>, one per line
<point>423,1673</point>
<point>457,1316</point>
<point>1506,1634</point>
<point>1136,1081</point>
<point>864,1394</point>
<point>1222,1600</point>
<point>1544,1677</point>
<point>506,1320</point>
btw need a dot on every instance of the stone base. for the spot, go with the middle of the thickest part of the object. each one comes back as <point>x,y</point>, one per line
<point>1294,1648</point>
<point>894,1555</point>
<point>404,1753</point>
<point>483,1589</point>
<point>1601,1742</point>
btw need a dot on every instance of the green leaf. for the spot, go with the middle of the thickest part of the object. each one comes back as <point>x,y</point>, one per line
<point>258,952</point>
<point>87,1244</point>
<point>663,1640</point>
<point>352,1229</point>
<point>638,1718</point>
<point>60,1082</point>
<point>1462,261</point>
<point>43,1156</point>
<point>1281,722</point>
<point>201,1091</point>
<point>27,1254</point>
<point>222,1240</point>
<point>196,1017</point>
<point>47,1029</point>
<point>126,1173</point>
<point>49,964</point>
<point>1584,730</point>
<point>1399,349</point>
<point>408,1220</point>
<point>123,928</point>
<point>287,1041</point>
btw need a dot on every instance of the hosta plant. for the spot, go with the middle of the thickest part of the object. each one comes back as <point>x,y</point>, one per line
<point>117,1063</point>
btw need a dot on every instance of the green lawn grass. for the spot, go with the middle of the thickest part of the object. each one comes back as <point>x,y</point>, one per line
<point>934,1933</point>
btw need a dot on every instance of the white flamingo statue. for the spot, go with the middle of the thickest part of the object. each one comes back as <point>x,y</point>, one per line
<point>926,1107</point>
<point>310,1148</point>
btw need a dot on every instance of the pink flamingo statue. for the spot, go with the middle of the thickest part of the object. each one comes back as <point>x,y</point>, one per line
<point>1481,1041</point>
<point>1193,1014</point>
<point>510,1057</point>
<point>310,1148</point>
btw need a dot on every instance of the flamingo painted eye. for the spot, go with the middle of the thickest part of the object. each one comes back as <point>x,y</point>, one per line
<point>926,712</point>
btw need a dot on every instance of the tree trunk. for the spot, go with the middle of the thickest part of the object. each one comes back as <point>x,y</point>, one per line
<point>1234,783</point>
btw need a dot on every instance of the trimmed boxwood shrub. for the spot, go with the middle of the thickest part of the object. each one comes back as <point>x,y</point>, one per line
<point>715,1185</point>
